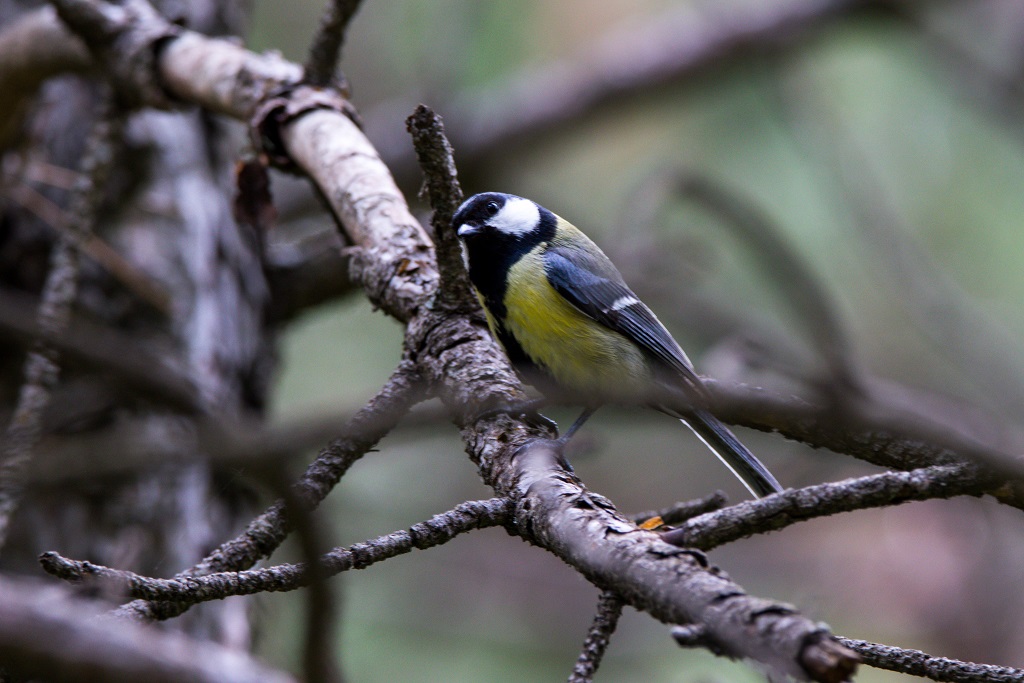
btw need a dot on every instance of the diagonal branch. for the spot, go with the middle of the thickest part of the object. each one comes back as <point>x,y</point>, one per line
<point>784,509</point>
<point>609,609</point>
<point>326,48</point>
<point>265,533</point>
<point>191,590</point>
<point>917,663</point>
<point>555,511</point>
<point>53,316</point>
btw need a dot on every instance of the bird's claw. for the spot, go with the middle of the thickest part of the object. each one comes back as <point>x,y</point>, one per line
<point>525,410</point>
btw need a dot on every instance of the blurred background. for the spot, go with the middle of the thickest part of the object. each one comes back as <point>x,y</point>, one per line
<point>885,147</point>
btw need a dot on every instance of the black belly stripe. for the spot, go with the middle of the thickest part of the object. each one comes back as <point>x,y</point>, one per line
<point>515,352</point>
<point>491,255</point>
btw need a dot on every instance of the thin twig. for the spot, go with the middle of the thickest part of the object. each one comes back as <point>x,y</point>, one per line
<point>138,365</point>
<point>800,288</point>
<point>441,185</point>
<point>319,661</point>
<point>267,531</point>
<point>609,609</point>
<point>326,48</point>
<point>680,512</point>
<point>917,663</point>
<point>784,509</point>
<point>191,590</point>
<point>133,279</point>
<point>58,295</point>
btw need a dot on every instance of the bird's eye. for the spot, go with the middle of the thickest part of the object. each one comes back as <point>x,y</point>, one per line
<point>491,209</point>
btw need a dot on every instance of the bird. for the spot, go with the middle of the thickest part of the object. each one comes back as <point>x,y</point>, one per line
<point>572,327</point>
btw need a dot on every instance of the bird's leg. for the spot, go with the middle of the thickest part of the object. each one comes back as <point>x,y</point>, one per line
<point>525,409</point>
<point>580,421</point>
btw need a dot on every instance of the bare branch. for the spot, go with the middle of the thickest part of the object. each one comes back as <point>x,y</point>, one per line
<point>609,609</point>
<point>45,635</point>
<point>59,292</point>
<point>326,48</point>
<point>33,48</point>
<point>873,431</point>
<point>800,288</point>
<point>137,364</point>
<point>672,48</point>
<point>442,188</point>
<point>191,590</point>
<point>917,663</point>
<point>564,518</point>
<point>681,512</point>
<point>395,261</point>
<point>778,511</point>
<point>674,585</point>
<point>265,533</point>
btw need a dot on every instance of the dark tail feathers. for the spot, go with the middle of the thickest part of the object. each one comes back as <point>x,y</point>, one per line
<point>747,468</point>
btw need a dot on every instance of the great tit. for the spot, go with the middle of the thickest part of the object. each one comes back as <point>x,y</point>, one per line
<point>572,327</point>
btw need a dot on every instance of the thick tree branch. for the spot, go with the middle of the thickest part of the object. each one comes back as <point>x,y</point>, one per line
<point>45,635</point>
<point>555,511</point>
<point>674,585</point>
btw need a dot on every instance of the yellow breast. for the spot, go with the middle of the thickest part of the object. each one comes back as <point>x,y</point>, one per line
<point>583,356</point>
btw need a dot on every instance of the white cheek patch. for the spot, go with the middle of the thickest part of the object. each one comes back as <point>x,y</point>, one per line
<point>518,217</point>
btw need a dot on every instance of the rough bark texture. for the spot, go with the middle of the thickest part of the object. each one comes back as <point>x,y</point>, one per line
<point>166,211</point>
<point>214,270</point>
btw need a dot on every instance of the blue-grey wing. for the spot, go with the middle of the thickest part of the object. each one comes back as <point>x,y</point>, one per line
<point>592,284</point>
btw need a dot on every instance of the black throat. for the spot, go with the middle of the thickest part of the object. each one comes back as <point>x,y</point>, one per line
<point>493,253</point>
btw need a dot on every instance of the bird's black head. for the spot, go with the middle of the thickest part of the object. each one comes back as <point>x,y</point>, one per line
<point>496,230</point>
<point>497,215</point>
